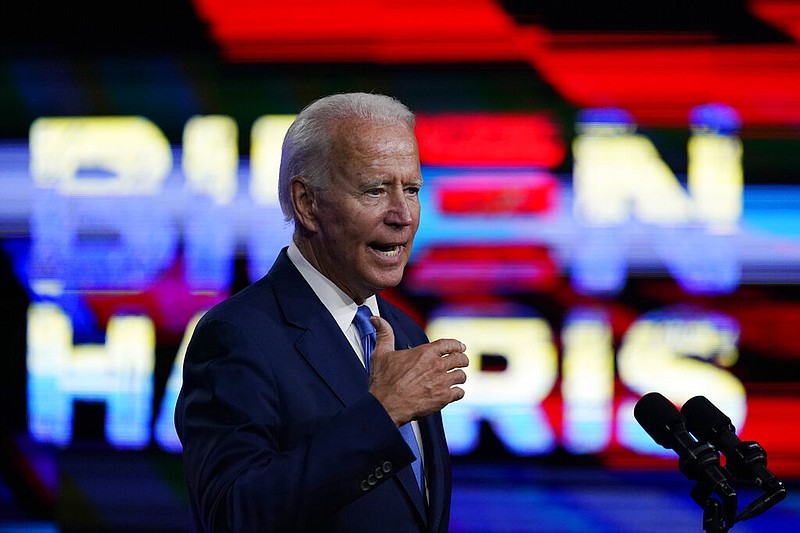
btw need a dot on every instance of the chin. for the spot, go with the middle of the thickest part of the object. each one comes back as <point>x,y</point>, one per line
<point>386,282</point>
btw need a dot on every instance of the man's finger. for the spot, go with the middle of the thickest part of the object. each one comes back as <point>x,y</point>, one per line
<point>457,377</point>
<point>456,360</point>
<point>385,335</point>
<point>456,393</point>
<point>446,346</point>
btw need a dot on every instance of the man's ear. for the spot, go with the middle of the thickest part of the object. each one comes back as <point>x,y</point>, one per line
<point>304,203</point>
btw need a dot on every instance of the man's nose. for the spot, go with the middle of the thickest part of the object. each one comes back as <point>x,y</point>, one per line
<point>400,212</point>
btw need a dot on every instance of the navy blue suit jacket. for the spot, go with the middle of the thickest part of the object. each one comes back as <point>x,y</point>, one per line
<point>279,430</point>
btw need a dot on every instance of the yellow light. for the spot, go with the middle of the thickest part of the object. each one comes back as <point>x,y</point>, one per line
<point>716,180</point>
<point>619,175</point>
<point>587,385</point>
<point>211,156</point>
<point>265,157</point>
<point>132,151</point>
<point>680,357</point>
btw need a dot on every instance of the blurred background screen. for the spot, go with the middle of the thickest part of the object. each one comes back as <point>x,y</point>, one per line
<point>611,207</point>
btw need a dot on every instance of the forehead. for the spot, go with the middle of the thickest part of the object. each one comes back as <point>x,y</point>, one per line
<point>373,140</point>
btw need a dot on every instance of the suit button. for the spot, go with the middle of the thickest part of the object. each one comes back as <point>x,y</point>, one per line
<point>372,480</point>
<point>379,473</point>
<point>387,467</point>
<point>364,485</point>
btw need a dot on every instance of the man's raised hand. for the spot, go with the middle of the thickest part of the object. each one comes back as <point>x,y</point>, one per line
<point>416,382</point>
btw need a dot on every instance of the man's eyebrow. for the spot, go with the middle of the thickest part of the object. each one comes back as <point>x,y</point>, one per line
<point>380,181</point>
<point>374,182</point>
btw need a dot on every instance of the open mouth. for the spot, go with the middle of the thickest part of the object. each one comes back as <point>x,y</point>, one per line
<point>387,250</point>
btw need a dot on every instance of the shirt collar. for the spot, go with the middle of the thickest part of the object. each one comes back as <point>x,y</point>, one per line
<point>341,306</point>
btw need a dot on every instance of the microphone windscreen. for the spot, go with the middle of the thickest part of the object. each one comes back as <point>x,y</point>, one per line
<point>704,419</point>
<point>657,416</point>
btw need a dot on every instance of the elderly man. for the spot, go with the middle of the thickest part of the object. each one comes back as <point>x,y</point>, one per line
<point>300,411</point>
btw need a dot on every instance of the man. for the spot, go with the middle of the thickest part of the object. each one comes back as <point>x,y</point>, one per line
<point>283,426</point>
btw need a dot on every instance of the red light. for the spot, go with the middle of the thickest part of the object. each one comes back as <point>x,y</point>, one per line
<point>783,14</point>
<point>482,269</point>
<point>658,78</point>
<point>660,85</point>
<point>365,30</point>
<point>490,139</point>
<point>498,193</point>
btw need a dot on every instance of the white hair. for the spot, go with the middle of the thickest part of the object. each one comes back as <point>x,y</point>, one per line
<point>307,145</point>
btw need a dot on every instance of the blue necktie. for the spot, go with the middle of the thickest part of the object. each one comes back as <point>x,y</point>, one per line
<point>368,340</point>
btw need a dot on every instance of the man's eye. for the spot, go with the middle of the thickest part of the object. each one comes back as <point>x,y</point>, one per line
<point>412,191</point>
<point>374,192</point>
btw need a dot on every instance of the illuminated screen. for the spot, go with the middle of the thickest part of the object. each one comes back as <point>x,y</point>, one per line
<point>605,214</point>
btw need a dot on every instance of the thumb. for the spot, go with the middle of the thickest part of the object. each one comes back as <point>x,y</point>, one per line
<point>384,333</point>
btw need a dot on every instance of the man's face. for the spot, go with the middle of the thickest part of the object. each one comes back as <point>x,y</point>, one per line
<point>369,214</point>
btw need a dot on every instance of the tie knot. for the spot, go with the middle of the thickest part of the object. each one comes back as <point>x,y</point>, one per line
<point>363,324</point>
<point>367,331</point>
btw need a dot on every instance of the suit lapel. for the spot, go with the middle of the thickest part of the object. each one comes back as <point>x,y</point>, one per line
<point>322,343</point>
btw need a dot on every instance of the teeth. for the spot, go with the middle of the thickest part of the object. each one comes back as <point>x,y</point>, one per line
<point>389,252</point>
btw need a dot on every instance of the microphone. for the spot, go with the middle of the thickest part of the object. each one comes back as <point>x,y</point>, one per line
<point>698,461</point>
<point>746,460</point>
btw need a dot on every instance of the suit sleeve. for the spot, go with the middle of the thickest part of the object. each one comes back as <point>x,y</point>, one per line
<point>241,474</point>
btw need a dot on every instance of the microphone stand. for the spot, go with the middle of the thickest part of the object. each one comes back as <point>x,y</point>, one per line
<point>747,461</point>
<point>715,494</point>
<point>719,515</point>
<point>712,519</point>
